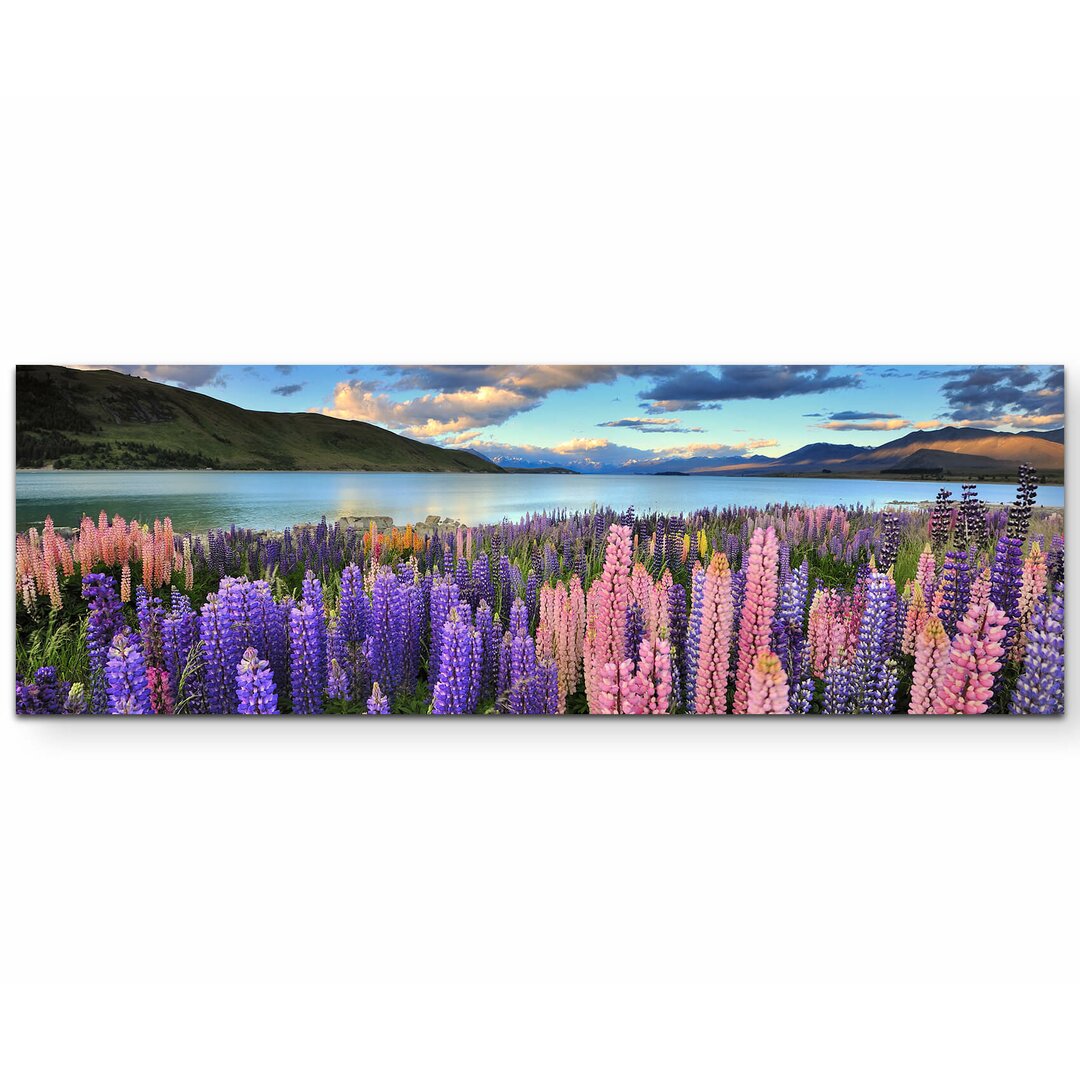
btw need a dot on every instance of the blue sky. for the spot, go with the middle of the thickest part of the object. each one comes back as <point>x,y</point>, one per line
<point>614,416</point>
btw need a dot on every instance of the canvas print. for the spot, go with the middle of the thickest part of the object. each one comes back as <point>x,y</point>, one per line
<point>540,540</point>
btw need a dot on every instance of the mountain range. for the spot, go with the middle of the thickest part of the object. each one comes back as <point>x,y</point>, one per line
<point>70,418</point>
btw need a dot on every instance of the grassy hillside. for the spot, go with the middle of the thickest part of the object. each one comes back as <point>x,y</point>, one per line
<point>105,420</point>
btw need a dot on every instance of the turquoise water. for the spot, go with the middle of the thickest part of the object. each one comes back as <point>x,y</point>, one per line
<point>265,500</point>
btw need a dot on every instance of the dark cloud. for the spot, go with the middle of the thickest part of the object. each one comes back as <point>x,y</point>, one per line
<point>651,424</point>
<point>986,391</point>
<point>850,415</point>
<point>288,389</point>
<point>283,369</point>
<point>190,376</point>
<point>707,388</point>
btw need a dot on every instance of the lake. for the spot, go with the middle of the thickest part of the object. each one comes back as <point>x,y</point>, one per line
<point>197,501</point>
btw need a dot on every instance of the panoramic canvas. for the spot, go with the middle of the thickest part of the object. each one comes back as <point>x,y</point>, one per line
<point>539,540</point>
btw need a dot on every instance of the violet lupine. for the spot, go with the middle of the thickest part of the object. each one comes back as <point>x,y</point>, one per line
<point>758,609</point>
<point>1040,689</point>
<point>337,681</point>
<point>75,703</point>
<point>677,623</point>
<point>693,633</point>
<point>178,634</point>
<point>307,668</point>
<point>710,687</point>
<point>453,691</point>
<point>125,676</point>
<point>219,656</point>
<point>931,658</point>
<point>967,684</point>
<point>378,703</point>
<point>389,621</point>
<point>768,691</point>
<point>839,692</point>
<point>1006,580</point>
<point>801,680</point>
<point>954,590</point>
<point>874,648</point>
<point>445,594</point>
<point>256,693</point>
<point>104,621</point>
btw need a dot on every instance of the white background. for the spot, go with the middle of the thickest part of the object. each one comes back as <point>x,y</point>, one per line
<point>771,182</point>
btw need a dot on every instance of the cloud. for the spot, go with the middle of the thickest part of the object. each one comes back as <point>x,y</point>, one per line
<point>283,369</point>
<point>865,425</point>
<point>288,389</point>
<point>460,397</point>
<point>986,391</point>
<point>707,388</point>
<point>190,376</point>
<point>850,415</point>
<point>650,424</point>
<point>430,415</point>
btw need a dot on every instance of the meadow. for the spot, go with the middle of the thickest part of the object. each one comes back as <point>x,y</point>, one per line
<point>952,609</point>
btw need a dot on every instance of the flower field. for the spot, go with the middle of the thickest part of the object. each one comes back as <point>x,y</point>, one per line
<point>780,609</point>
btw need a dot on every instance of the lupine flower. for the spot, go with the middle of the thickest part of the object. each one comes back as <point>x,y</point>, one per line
<point>306,666</point>
<point>1041,686</point>
<point>1032,586</point>
<point>255,690</point>
<point>974,659</point>
<point>768,691</point>
<point>758,608</point>
<point>714,645</point>
<point>875,647</point>
<point>128,692</point>
<point>931,658</point>
<point>378,704</point>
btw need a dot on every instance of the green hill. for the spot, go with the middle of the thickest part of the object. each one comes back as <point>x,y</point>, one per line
<point>70,419</point>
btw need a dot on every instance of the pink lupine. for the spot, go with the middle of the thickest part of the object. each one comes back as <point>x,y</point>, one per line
<point>605,636</point>
<point>759,606</point>
<point>926,573</point>
<point>560,632</point>
<point>974,658</point>
<point>1032,586</point>
<point>125,583</point>
<point>161,699</point>
<point>931,658</point>
<point>647,688</point>
<point>709,693</point>
<point>915,620</point>
<point>768,686</point>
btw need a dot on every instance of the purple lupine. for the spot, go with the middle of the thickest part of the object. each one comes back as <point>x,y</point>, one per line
<point>1006,579</point>
<point>219,656</point>
<point>955,589</point>
<point>839,691</point>
<point>874,649</point>
<point>693,640</point>
<point>75,702</point>
<point>125,677</point>
<point>542,696</point>
<point>389,620</point>
<point>378,704</point>
<point>677,630</point>
<point>149,614</point>
<point>801,693</point>
<point>519,619</point>
<point>413,607</point>
<point>502,681</point>
<point>454,686</point>
<point>308,666</point>
<point>1040,689</point>
<point>337,681</point>
<point>256,693</point>
<point>444,595</point>
<point>505,586</point>
<point>311,592</point>
<point>532,597</point>
<point>51,692</point>
<point>27,698</point>
<point>485,627</point>
<point>889,544</point>
<point>177,641</point>
<point>104,621</point>
<point>635,629</point>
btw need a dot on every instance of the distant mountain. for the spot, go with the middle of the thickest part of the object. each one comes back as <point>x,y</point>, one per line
<point>948,451</point>
<point>73,419</point>
<point>1052,434</point>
